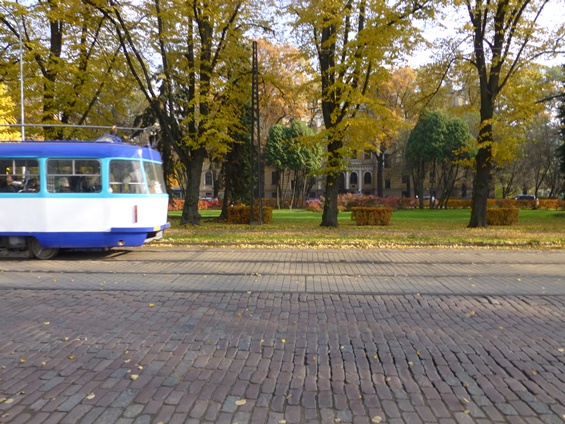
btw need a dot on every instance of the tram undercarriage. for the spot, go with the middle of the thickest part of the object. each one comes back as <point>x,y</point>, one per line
<point>25,247</point>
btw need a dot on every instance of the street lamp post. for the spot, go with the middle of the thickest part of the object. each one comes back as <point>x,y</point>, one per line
<point>22,115</point>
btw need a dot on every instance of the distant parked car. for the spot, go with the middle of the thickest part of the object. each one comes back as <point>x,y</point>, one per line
<point>528,197</point>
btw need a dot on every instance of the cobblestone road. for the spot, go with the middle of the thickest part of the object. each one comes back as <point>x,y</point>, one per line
<point>291,336</point>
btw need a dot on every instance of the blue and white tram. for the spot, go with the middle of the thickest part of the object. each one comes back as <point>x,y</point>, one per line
<point>79,195</point>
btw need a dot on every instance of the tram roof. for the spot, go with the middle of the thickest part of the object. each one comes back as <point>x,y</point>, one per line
<point>76,149</point>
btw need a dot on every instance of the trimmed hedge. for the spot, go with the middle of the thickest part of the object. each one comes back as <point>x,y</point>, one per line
<point>242,214</point>
<point>371,216</point>
<point>502,216</point>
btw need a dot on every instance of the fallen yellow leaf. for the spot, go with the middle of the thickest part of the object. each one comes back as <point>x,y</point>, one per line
<point>376,419</point>
<point>151,305</point>
<point>283,340</point>
<point>90,396</point>
<point>22,360</point>
<point>240,402</point>
<point>72,357</point>
<point>46,323</point>
<point>134,377</point>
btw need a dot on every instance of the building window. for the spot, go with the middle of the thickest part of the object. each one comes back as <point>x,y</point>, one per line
<point>367,155</point>
<point>367,178</point>
<point>274,178</point>
<point>208,178</point>
<point>353,178</point>
<point>387,183</point>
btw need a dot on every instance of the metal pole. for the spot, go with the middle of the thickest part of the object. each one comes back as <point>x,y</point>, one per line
<point>22,114</point>
<point>255,129</point>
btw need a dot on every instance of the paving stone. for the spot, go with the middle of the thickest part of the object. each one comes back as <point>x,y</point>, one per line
<point>403,349</point>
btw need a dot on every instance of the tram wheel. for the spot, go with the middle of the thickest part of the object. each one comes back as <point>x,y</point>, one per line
<point>41,252</point>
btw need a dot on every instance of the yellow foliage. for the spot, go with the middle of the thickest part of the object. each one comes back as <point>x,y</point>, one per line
<point>7,108</point>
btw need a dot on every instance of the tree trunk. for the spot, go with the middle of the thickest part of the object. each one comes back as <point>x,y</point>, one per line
<point>481,187</point>
<point>329,216</point>
<point>190,213</point>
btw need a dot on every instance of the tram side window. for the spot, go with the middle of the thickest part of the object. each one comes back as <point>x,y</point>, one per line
<point>19,176</point>
<point>126,177</point>
<point>155,179</point>
<point>73,176</point>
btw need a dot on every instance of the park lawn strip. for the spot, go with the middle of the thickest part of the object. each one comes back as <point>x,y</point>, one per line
<point>409,228</point>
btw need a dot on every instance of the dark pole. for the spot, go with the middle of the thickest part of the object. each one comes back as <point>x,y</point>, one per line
<point>255,130</point>
<point>251,215</point>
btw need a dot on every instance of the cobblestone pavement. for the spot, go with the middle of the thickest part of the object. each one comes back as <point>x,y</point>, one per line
<point>288,336</point>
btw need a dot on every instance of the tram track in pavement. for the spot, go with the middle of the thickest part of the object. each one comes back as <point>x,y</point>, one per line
<point>293,271</point>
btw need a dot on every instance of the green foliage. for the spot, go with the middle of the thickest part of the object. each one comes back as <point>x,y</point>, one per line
<point>436,136</point>
<point>439,141</point>
<point>291,150</point>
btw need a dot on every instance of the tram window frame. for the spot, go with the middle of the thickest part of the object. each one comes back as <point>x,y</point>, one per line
<point>24,173</point>
<point>122,179</point>
<point>154,174</point>
<point>82,175</point>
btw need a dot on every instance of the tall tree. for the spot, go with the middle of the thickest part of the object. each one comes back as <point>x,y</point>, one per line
<point>194,93</point>
<point>505,36</point>
<point>351,41</point>
<point>291,152</point>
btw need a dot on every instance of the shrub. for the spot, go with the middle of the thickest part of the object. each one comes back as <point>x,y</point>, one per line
<point>502,216</point>
<point>242,214</point>
<point>371,216</point>
<point>314,205</point>
<point>394,203</point>
<point>176,204</point>
<point>519,204</point>
<point>548,204</point>
<point>409,202</point>
<point>459,204</point>
<point>347,201</point>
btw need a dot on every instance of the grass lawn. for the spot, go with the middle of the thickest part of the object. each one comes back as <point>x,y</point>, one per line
<point>409,228</point>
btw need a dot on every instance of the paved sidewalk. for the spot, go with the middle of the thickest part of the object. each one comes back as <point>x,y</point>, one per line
<point>262,336</point>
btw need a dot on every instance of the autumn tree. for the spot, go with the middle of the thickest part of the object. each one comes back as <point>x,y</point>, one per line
<point>72,73</point>
<point>399,93</point>
<point>505,36</point>
<point>350,42</point>
<point>193,91</point>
